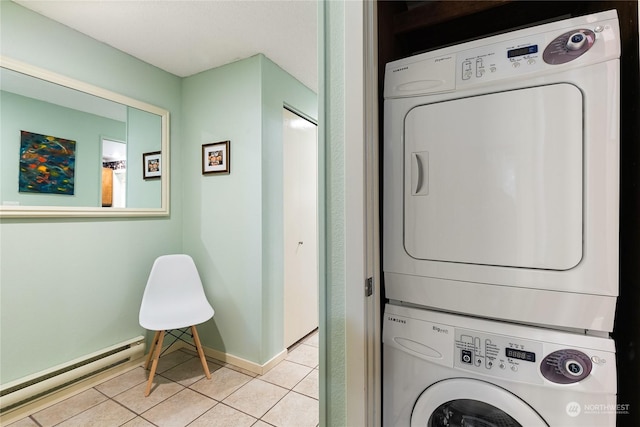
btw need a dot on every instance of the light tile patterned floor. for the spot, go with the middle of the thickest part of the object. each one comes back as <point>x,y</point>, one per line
<point>286,396</point>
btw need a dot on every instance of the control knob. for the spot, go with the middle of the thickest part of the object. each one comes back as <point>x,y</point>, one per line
<point>573,367</point>
<point>576,41</point>
<point>566,366</point>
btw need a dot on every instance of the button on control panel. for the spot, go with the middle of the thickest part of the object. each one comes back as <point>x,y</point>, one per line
<point>479,67</point>
<point>466,70</point>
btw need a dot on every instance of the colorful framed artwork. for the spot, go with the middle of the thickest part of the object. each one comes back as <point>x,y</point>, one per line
<point>216,158</point>
<point>47,164</point>
<point>151,165</point>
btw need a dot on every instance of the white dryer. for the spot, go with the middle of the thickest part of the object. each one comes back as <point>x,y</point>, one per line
<point>441,369</point>
<point>501,170</point>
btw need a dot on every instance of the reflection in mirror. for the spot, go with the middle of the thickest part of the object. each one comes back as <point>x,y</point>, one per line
<point>59,140</point>
<point>114,174</point>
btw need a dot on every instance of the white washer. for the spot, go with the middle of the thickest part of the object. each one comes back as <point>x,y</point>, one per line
<point>441,369</point>
<point>501,170</point>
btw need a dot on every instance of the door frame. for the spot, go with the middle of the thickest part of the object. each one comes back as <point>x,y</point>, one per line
<point>350,344</point>
<point>363,329</point>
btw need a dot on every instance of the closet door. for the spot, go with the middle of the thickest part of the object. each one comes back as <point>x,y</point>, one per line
<point>300,227</point>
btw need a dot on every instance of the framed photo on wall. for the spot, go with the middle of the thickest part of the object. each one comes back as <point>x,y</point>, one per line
<point>216,158</point>
<point>151,165</point>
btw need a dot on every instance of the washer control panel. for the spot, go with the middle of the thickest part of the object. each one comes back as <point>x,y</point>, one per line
<point>518,359</point>
<point>498,356</point>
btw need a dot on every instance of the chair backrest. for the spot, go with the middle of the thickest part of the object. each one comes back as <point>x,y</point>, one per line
<point>174,297</point>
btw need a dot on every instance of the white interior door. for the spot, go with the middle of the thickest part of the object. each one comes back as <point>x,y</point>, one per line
<point>300,227</point>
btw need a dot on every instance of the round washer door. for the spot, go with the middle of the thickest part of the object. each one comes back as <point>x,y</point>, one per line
<point>469,402</point>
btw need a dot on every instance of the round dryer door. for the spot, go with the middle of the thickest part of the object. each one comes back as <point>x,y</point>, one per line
<point>467,402</point>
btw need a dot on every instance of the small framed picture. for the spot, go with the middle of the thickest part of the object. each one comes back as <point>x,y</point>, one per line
<point>216,158</point>
<point>151,165</point>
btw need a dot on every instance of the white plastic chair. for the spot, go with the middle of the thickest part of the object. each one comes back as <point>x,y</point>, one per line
<point>173,300</point>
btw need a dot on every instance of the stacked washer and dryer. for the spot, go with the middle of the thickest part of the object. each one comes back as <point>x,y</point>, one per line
<point>500,229</point>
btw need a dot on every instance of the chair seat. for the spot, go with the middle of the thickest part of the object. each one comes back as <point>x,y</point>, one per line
<point>175,317</point>
<point>174,297</point>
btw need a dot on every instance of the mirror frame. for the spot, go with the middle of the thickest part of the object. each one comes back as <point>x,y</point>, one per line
<point>21,211</point>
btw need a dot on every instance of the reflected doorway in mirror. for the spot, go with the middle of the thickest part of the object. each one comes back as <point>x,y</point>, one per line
<point>114,173</point>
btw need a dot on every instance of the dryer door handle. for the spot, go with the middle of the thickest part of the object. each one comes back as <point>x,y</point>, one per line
<point>420,173</point>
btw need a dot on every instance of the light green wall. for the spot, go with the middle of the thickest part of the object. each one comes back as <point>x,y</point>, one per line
<point>233,223</point>
<point>28,114</point>
<point>222,226</point>
<point>69,287</point>
<point>333,300</point>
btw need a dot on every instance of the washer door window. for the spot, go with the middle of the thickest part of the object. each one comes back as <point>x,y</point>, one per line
<point>496,179</point>
<point>472,403</point>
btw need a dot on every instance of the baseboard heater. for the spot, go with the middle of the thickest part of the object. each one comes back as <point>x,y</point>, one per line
<point>32,387</point>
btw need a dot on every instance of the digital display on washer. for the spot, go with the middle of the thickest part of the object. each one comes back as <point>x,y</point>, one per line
<point>522,51</point>
<point>520,354</point>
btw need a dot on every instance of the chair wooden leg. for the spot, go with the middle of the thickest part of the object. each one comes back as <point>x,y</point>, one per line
<point>196,341</point>
<point>153,346</point>
<point>154,365</point>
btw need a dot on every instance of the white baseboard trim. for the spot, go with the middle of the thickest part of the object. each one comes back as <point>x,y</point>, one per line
<point>57,396</point>
<point>50,399</point>
<point>238,361</point>
<point>274,361</point>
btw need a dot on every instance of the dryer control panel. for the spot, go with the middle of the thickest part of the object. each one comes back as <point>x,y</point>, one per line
<point>500,60</point>
<point>498,356</point>
<point>525,53</point>
<point>532,53</point>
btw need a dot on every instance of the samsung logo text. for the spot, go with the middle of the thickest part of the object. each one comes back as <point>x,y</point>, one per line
<point>395,319</point>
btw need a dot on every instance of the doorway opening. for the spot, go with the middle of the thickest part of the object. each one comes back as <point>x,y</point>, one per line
<point>114,173</point>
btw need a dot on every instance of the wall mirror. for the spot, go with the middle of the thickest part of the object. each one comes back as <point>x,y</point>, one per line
<point>68,148</point>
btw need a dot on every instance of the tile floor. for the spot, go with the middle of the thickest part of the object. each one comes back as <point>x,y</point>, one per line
<point>287,395</point>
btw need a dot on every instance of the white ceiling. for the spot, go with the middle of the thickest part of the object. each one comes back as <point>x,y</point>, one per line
<point>185,37</point>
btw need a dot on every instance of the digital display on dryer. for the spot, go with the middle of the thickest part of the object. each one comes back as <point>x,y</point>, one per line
<point>522,51</point>
<point>520,354</point>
